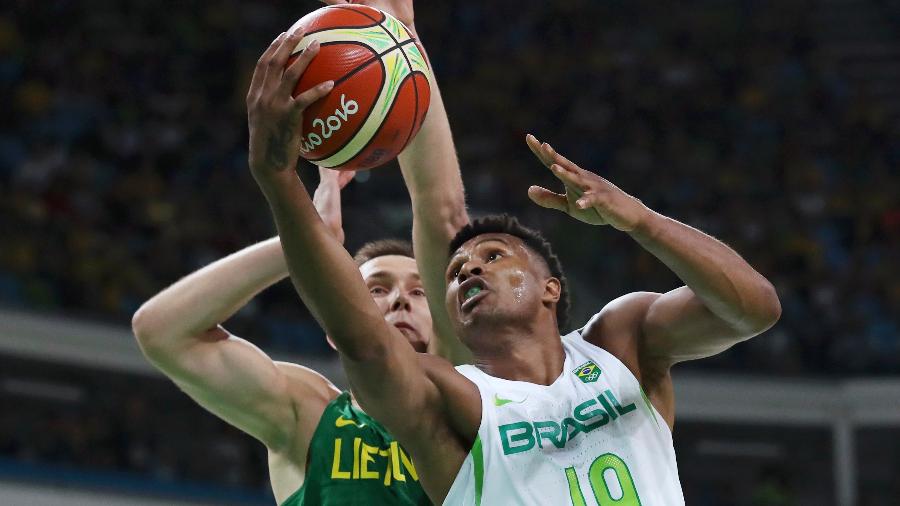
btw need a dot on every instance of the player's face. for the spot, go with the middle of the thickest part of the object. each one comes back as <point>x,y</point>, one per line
<point>394,283</point>
<point>495,279</point>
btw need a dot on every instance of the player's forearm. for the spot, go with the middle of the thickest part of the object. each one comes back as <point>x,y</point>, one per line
<point>432,231</point>
<point>430,167</point>
<point>431,172</point>
<point>725,282</point>
<point>322,271</point>
<point>211,295</point>
<point>429,164</point>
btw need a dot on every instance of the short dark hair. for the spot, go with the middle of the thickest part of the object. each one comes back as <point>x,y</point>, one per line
<point>534,240</point>
<point>381,248</point>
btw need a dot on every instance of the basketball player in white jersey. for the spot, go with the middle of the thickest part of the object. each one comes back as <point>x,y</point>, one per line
<point>540,419</point>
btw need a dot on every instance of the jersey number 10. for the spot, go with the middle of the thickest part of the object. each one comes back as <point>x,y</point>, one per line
<point>605,470</point>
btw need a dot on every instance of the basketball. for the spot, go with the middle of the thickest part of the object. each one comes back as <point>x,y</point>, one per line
<point>381,87</point>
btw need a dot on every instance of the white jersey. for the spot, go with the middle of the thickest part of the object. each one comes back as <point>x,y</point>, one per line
<point>591,438</point>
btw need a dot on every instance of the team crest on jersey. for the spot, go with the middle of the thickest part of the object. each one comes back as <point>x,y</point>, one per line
<point>588,372</point>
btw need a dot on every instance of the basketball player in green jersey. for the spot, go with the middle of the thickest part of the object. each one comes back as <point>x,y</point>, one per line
<point>541,418</point>
<point>322,449</point>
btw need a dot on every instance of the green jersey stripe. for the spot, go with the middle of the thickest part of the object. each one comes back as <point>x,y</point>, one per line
<point>478,461</point>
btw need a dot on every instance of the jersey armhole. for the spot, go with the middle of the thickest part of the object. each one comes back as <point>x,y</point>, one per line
<point>341,397</point>
<point>473,374</point>
<point>657,417</point>
<point>476,451</point>
<point>293,497</point>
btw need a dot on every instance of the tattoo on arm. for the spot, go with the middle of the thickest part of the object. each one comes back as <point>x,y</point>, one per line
<point>280,144</point>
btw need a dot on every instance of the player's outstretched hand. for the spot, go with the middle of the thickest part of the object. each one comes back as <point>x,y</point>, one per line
<point>274,116</point>
<point>400,9</point>
<point>588,197</point>
<point>327,199</point>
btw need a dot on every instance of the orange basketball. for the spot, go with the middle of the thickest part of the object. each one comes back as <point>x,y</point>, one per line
<point>381,87</point>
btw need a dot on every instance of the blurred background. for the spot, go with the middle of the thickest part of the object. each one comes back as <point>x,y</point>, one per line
<point>773,125</point>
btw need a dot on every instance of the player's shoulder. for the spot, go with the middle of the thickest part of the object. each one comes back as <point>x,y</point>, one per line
<point>460,395</point>
<point>451,383</point>
<point>621,315</point>
<point>310,393</point>
<point>437,368</point>
<point>306,386</point>
<point>617,327</point>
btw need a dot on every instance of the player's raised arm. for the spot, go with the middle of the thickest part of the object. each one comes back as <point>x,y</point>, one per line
<point>178,331</point>
<point>431,171</point>
<point>725,300</point>
<point>315,260</point>
<point>385,372</point>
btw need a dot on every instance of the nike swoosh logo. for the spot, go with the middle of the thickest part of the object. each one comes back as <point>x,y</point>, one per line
<point>343,422</point>
<point>499,401</point>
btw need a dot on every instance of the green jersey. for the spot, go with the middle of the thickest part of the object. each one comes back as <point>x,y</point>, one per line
<point>353,460</point>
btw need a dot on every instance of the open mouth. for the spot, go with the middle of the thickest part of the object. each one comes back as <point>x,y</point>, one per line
<point>404,325</point>
<point>471,292</point>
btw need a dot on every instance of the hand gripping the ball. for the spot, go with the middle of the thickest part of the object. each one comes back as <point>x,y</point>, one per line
<point>274,116</point>
<point>588,197</point>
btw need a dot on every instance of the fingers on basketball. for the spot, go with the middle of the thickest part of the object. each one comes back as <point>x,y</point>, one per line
<point>309,96</point>
<point>276,61</point>
<point>296,68</point>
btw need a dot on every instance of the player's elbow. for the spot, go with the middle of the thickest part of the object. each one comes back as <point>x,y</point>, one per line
<point>767,309</point>
<point>144,326</point>
<point>140,324</point>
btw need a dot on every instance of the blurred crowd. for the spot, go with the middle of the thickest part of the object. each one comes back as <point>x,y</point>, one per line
<point>123,156</point>
<point>132,426</point>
